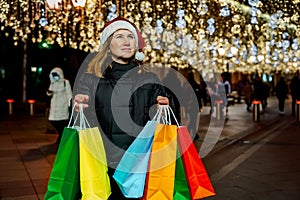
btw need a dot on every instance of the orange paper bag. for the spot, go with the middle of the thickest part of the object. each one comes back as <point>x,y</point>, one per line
<point>161,176</point>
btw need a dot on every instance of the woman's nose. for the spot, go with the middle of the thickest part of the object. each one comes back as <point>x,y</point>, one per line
<point>126,41</point>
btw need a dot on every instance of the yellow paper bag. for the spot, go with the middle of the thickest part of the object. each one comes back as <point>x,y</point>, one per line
<point>161,175</point>
<point>94,180</point>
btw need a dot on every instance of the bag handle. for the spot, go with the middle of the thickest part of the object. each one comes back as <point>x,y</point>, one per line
<point>157,116</point>
<point>83,122</point>
<point>163,115</point>
<point>169,111</point>
<point>75,118</point>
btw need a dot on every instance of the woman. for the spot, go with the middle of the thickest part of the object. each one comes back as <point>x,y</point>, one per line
<point>118,92</point>
<point>61,95</point>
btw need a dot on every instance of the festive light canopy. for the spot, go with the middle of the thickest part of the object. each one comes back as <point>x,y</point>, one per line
<point>210,35</point>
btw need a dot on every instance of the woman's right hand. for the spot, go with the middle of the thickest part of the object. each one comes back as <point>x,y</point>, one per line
<point>81,99</point>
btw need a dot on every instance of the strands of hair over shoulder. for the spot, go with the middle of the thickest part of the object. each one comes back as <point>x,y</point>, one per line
<point>101,61</point>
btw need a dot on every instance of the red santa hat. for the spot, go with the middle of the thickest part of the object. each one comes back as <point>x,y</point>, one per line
<point>122,23</point>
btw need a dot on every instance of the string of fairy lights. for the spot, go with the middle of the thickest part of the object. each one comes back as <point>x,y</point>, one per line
<point>209,35</point>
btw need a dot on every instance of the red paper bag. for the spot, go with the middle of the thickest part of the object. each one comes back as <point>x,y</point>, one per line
<point>196,175</point>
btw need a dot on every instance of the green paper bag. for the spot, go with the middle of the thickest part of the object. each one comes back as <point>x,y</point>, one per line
<point>181,188</point>
<point>64,181</point>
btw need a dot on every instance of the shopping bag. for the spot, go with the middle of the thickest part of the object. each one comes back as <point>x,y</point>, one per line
<point>94,180</point>
<point>181,189</point>
<point>64,182</point>
<point>130,173</point>
<point>161,175</point>
<point>198,180</point>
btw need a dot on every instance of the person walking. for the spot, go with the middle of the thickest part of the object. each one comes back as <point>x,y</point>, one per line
<point>192,103</point>
<point>247,92</point>
<point>213,95</point>
<point>258,91</point>
<point>266,94</point>
<point>281,91</point>
<point>61,95</point>
<point>224,82</point>
<point>117,93</point>
<point>295,92</point>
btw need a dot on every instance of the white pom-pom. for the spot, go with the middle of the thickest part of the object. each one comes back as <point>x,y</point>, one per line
<point>139,56</point>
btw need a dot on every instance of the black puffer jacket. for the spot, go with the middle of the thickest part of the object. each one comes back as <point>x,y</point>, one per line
<point>122,103</point>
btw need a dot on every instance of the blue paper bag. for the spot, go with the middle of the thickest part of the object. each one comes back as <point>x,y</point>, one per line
<point>130,173</point>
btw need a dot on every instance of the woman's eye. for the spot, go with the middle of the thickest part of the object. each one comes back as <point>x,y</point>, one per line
<point>130,36</point>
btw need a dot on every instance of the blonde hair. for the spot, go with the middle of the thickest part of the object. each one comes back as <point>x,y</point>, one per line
<point>101,61</point>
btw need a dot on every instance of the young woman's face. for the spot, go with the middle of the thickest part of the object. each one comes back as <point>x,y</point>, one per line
<point>122,46</point>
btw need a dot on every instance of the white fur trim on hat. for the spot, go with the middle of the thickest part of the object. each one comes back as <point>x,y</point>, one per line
<point>139,56</point>
<point>120,24</point>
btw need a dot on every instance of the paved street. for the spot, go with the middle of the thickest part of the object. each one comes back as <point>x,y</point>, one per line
<point>268,170</point>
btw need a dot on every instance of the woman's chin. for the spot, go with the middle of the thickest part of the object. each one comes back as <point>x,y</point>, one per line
<point>127,55</point>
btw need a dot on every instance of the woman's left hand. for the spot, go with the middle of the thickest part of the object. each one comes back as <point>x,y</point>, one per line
<point>162,100</point>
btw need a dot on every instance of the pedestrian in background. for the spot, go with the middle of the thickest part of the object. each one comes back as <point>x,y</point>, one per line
<point>281,91</point>
<point>192,103</point>
<point>266,94</point>
<point>295,91</point>
<point>61,95</point>
<point>203,91</point>
<point>247,92</point>
<point>213,95</point>
<point>224,82</point>
<point>258,91</point>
